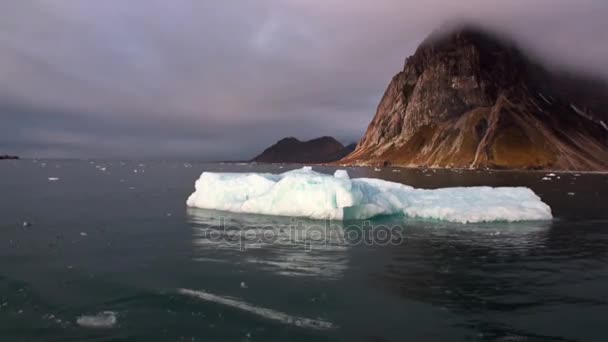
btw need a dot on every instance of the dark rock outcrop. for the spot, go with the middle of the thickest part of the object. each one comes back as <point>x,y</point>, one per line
<point>4,156</point>
<point>292,150</point>
<point>470,99</point>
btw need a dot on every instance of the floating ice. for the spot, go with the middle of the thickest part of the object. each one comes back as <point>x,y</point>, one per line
<point>53,179</point>
<point>106,319</point>
<point>309,194</point>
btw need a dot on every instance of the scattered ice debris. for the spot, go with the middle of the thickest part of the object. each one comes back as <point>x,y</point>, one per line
<point>396,170</point>
<point>243,285</point>
<point>105,319</point>
<point>306,193</point>
<point>53,179</point>
<point>270,314</point>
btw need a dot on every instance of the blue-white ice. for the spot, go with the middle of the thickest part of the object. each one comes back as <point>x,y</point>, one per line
<point>309,194</point>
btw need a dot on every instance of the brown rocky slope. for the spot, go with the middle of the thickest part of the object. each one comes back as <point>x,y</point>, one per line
<point>468,99</point>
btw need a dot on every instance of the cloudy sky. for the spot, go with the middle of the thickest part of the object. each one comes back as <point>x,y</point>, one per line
<point>223,79</point>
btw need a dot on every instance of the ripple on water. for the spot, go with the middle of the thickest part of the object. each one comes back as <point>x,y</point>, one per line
<point>270,314</point>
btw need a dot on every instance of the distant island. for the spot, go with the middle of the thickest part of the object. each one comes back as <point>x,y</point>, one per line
<point>7,157</point>
<point>470,99</point>
<point>292,150</point>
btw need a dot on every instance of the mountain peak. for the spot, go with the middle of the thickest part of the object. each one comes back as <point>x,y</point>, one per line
<point>469,33</point>
<point>292,150</point>
<point>470,98</point>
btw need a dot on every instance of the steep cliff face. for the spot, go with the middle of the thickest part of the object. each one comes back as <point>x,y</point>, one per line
<point>292,150</point>
<point>469,99</point>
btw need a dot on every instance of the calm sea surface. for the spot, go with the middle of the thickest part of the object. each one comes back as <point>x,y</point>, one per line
<point>109,252</point>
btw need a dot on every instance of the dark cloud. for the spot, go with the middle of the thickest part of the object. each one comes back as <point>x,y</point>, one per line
<point>221,80</point>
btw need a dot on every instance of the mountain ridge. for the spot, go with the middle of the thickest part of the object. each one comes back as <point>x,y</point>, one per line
<point>291,150</point>
<point>472,99</point>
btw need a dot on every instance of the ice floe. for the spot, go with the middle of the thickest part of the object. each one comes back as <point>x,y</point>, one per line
<point>309,194</point>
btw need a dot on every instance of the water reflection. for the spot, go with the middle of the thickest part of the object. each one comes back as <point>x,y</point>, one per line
<point>281,245</point>
<point>493,271</point>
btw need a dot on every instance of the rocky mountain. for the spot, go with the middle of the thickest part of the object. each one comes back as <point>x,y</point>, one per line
<point>292,150</point>
<point>471,99</point>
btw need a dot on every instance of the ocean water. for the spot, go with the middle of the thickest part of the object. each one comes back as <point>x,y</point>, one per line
<point>108,251</point>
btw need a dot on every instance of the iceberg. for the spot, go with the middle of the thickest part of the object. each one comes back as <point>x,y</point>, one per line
<point>308,194</point>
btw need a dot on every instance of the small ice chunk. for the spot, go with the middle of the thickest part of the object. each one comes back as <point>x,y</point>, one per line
<point>571,194</point>
<point>83,234</point>
<point>105,319</point>
<point>243,285</point>
<point>547,178</point>
<point>377,169</point>
<point>53,179</point>
<point>341,174</point>
<point>551,175</point>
